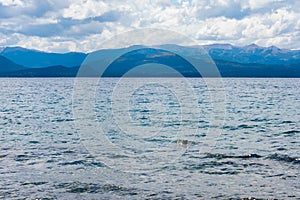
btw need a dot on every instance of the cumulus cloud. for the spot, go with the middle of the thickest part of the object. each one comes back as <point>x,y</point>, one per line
<point>81,25</point>
<point>34,8</point>
<point>85,9</point>
<point>218,8</point>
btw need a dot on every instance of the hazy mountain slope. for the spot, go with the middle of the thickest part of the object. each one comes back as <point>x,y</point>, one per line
<point>253,54</point>
<point>7,65</point>
<point>37,59</point>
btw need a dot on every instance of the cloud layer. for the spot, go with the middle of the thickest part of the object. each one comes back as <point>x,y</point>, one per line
<point>82,25</point>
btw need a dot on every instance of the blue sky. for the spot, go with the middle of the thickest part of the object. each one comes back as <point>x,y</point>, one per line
<point>80,25</point>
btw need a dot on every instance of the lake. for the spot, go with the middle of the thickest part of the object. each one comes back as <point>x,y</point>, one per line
<point>66,138</point>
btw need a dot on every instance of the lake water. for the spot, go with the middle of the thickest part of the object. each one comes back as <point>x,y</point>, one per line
<point>154,140</point>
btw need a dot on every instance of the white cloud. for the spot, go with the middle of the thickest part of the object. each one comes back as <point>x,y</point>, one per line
<point>85,29</point>
<point>85,8</point>
<point>12,3</point>
<point>257,4</point>
<point>82,24</point>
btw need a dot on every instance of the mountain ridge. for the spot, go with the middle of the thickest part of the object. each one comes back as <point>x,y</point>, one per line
<point>247,61</point>
<point>32,58</point>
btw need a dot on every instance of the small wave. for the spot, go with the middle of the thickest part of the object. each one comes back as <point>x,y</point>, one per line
<point>22,157</point>
<point>217,168</point>
<point>221,172</point>
<point>220,167</point>
<point>252,155</point>
<point>62,120</point>
<point>69,152</point>
<point>287,122</point>
<point>79,187</point>
<point>259,120</point>
<point>287,133</point>
<point>239,127</point>
<point>246,126</point>
<point>284,158</point>
<point>82,162</point>
<point>223,156</point>
<point>291,132</point>
<point>160,140</point>
<point>275,156</point>
<point>76,162</point>
<point>251,198</point>
<point>34,142</point>
<point>34,183</point>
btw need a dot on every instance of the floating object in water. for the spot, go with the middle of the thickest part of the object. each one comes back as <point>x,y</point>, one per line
<point>182,142</point>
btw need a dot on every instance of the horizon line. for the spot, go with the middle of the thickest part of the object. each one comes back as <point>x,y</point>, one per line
<point>200,45</point>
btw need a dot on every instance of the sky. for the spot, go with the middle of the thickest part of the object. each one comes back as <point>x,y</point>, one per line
<point>81,25</point>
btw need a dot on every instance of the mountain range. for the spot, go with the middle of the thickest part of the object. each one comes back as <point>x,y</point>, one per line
<point>231,61</point>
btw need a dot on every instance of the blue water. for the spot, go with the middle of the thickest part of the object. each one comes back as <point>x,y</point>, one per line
<point>158,144</point>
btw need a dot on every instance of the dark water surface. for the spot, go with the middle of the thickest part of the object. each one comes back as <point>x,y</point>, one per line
<point>44,154</point>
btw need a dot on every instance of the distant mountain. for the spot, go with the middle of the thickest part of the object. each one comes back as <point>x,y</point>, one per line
<point>253,54</point>
<point>153,56</point>
<point>232,61</point>
<point>7,65</point>
<point>248,61</point>
<point>36,59</point>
